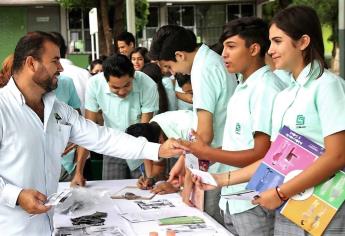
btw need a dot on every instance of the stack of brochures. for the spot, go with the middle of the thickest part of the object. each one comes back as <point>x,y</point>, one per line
<point>288,156</point>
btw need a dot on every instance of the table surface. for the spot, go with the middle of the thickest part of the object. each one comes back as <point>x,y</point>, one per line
<point>98,193</point>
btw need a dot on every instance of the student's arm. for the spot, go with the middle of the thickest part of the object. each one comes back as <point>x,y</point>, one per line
<point>236,177</point>
<point>323,168</point>
<point>146,117</point>
<point>205,126</point>
<point>186,97</point>
<point>234,158</point>
<point>82,154</point>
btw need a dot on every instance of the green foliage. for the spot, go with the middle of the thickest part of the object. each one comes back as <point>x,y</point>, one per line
<point>141,14</point>
<point>327,12</point>
<point>69,4</point>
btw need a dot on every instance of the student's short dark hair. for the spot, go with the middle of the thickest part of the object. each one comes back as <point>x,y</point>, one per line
<point>126,37</point>
<point>143,52</point>
<point>250,29</point>
<point>169,39</point>
<point>297,21</point>
<point>117,65</point>
<point>62,43</point>
<point>30,45</point>
<point>150,131</point>
<point>182,79</point>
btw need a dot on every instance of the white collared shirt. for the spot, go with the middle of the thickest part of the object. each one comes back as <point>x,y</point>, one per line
<point>30,153</point>
<point>80,78</point>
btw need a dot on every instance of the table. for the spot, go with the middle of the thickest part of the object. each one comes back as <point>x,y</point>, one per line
<point>115,206</point>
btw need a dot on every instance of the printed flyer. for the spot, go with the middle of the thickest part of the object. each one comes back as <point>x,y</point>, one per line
<point>289,155</point>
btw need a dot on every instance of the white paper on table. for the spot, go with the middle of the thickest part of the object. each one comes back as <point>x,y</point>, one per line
<point>241,195</point>
<point>191,161</point>
<point>206,177</point>
<point>143,216</point>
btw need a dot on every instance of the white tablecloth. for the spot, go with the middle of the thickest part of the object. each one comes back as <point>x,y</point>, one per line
<point>114,206</point>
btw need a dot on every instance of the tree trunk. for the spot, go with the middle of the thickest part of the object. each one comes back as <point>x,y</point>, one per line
<point>105,26</point>
<point>119,20</point>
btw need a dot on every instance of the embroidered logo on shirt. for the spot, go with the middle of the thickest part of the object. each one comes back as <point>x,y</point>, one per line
<point>238,128</point>
<point>57,117</point>
<point>300,120</point>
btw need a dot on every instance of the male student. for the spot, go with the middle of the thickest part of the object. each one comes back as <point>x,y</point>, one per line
<point>125,43</point>
<point>176,47</point>
<point>125,97</point>
<point>248,124</point>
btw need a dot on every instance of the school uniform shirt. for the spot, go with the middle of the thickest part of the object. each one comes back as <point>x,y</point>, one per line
<point>119,112</point>
<point>30,153</point>
<point>284,76</point>
<point>182,105</point>
<point>170,91</point>
<point>175,124</point>
<point>311,106</point>
<point>80,78</point>
<point>249,111</point>
<point>212,86</point>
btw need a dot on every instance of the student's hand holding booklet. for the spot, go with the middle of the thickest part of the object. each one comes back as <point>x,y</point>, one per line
<point>197,180</point>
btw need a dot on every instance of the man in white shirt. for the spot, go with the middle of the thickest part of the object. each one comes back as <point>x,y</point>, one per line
<point>34,130</point>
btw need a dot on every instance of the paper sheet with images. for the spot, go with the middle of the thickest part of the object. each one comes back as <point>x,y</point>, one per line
<point>57,198</point>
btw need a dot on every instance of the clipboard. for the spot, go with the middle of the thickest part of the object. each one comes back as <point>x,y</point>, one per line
<point>133,193</point>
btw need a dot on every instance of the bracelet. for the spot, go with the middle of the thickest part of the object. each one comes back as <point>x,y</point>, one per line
<point>281,195</point>
<point>229,175</point>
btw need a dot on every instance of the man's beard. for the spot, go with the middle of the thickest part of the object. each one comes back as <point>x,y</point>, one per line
<point>48,85</point>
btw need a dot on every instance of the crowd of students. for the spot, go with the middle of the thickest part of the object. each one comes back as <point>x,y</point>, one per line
<point>267,76</point>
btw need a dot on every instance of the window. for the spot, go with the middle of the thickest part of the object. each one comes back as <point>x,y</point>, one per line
<point>79,39</point>
<point>153,17</point>
<point>235,11</point>
<point>181,15</point>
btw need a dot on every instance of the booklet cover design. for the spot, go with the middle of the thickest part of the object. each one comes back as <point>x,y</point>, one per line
<point>288,156</point>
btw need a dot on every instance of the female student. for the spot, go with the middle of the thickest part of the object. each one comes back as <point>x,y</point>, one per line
<point>313,106</point>
<point>139,58</point>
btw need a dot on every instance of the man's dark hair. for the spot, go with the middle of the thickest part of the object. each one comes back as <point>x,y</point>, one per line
<point>250,29</point>
<point>182,79</point>
<point>30,45</point>
<point>117,65</point>
<point>126,37</point>
<point>169,39</point>
<point>151,131</point>
<point>62,44</point>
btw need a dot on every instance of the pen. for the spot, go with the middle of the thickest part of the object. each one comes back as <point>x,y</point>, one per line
<point>142,170</point>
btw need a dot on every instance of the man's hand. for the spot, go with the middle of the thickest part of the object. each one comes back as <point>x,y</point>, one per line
<point>170,148</point>
<point>197,146</point>
<point>164,188</point>
<point>32,201</point>
<point>145,183</point>
<point>78,180</point>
